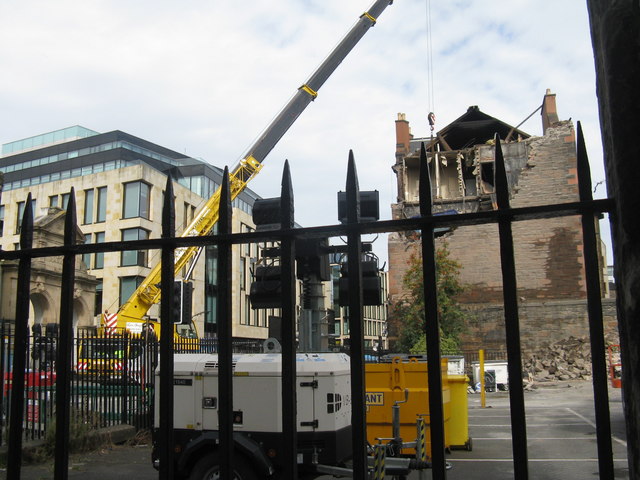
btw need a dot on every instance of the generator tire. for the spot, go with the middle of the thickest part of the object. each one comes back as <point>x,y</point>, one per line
<point>208,468</point>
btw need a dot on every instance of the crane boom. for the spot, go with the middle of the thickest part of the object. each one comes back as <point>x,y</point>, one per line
<point>148,292</point>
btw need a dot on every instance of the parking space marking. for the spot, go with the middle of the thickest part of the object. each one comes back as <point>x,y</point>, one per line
<point>585,419</point>
<point>550,460</point>
<point>553,424</point>
<point>592,439</point>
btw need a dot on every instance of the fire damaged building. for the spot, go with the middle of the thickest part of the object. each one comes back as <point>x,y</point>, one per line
<point>541,170</point>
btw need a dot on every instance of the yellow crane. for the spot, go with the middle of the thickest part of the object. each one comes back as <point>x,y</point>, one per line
<point>148,293</point>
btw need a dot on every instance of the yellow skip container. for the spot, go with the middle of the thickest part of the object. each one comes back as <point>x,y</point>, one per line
<point>386,384</point>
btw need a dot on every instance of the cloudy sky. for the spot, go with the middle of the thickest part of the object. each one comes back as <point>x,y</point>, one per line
<point>205,78</point>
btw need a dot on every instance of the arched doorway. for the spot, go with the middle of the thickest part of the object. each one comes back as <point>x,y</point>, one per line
<point>40,310</point>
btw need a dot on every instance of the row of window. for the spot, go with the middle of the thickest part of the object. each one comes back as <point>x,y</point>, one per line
<point>137,200</point>
<point>74,172</point>
<point>49,138</point>
<point>36,162</point>
<point>372,328</point>
<point>201,185</point>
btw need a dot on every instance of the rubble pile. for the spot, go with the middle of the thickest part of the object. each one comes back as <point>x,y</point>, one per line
<point>568,359</point>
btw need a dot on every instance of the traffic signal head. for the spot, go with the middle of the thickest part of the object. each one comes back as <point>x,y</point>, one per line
<point>371,283</point>
<point>266,289</point>
<point>176,304</point>
<point>187,303</point>
<point>369,206</point>
<point>312,258</point>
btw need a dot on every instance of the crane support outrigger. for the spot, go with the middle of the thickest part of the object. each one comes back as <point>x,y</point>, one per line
<point>148,292</point>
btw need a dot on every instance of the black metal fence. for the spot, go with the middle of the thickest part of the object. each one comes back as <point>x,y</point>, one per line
<point>112,376</point>
<point>352,230</point>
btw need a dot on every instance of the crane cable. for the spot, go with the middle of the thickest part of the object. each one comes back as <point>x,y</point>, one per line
<point>430,90</point>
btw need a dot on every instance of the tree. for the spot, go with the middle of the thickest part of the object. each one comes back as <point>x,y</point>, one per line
<point>409,313</point>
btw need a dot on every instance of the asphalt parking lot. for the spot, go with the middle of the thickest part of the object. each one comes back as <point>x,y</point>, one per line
<point>560,435</point>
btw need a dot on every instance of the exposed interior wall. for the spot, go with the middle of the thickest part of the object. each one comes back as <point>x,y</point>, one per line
<point>548,252</point>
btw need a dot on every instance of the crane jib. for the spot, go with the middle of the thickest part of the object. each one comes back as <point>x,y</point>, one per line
<point>148,292</point>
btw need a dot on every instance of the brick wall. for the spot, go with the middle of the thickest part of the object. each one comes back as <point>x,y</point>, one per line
<point>541,324</point>
<point>548,252</point>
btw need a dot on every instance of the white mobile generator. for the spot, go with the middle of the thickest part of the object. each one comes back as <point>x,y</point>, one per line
<point>323,413</point>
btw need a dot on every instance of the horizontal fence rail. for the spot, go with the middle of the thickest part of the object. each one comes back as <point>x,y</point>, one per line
<point>110,379</point>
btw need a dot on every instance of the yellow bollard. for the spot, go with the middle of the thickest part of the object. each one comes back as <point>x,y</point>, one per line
<point>483,398</point>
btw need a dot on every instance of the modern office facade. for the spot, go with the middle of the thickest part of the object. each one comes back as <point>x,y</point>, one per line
<point>119,182</point>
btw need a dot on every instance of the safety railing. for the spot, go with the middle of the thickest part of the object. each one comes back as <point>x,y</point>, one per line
<point>353,230</point>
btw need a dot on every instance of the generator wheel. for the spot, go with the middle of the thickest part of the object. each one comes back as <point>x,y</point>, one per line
<point>208,468</point>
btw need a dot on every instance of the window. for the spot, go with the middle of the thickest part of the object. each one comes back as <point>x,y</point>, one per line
<point>86,258</point>
<point>1,219</point>
<point>134,257</point>
<point>247,311</point>
<point>99,258</point>
<point>101,213</point>
<point>65,200</point>
<point>246,247</point>
<point>19,216</point>
<point>53,201</point>
<point>128,285</point>
<point>136,200</point>
<point>97,310</point>
<point>88,206</point>
<point>243,273</point>
<point>211,290</point>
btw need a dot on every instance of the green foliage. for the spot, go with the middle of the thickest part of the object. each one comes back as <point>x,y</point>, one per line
<point>83,435</point>
<point>409,314</point>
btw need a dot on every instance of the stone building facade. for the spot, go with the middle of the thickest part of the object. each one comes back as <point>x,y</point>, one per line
<point>119,182</point>
<point>48,231</point>
<point>541,170</point>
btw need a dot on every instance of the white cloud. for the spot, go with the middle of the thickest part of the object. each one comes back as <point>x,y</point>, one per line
<point>206,77</point>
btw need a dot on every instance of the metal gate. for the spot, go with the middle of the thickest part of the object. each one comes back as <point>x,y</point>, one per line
<point>352,230</point>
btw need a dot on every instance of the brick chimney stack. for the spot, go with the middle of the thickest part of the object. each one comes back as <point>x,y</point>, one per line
<point>403,136</point>
<point>549,111</point>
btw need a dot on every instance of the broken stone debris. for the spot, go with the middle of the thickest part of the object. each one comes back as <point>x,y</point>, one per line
<point>568,359</point>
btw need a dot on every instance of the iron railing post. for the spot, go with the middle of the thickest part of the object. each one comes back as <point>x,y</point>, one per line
<point>225,332</point>
<point>14,453</point>
<point>432,323</point>
<point>166,337</point>
<point>65,344</point>
<point>594,309</point>
<point>512,321</point>
<point>354,265</point>
<point>287,272</point>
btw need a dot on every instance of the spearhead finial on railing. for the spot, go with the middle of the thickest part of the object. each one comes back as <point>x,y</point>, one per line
<point>424,186</point>
<point>502,186</point>
<point>168,211</point>
<point>26,227</point>
<point>353,191</point>
<point>225,203</point>
<point>584,172</point>
<point>70,222</point>
<point>286,198</point>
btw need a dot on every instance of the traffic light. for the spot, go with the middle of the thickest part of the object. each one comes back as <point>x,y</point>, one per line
<point>266,289</point>
<point>266,213</point>
<point>369,206</point>
<point>181,308</point>
<point>176,305</point>
<point>187,303</point>
<point>312,258</point>
<point>371,284</point>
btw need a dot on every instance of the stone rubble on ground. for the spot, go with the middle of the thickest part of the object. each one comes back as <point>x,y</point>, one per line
<point>568,359</point>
